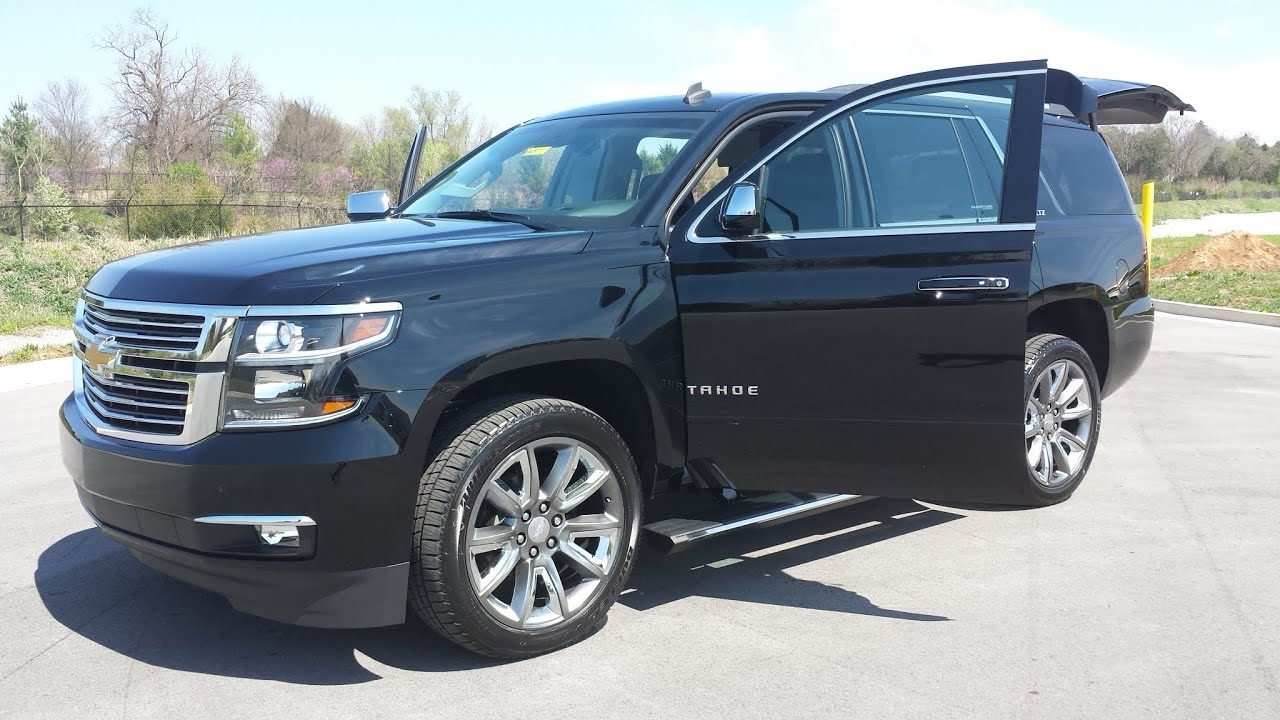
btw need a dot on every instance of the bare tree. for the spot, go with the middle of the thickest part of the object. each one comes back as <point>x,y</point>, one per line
<point>73,131</point>
<point>306,132</point>
<point>170,102</point>
<point>1191,142</point>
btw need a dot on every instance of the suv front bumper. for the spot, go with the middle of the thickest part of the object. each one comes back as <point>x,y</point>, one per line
<point>349,569</point>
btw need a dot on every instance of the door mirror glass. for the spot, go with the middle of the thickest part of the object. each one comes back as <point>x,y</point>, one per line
<point>740,214</point>
<point>371,205</point>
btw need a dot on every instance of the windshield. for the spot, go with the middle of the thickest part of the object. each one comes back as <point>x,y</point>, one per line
<point>583,172</point>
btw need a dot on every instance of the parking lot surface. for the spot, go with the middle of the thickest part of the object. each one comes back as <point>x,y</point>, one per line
<point>1154,592</point>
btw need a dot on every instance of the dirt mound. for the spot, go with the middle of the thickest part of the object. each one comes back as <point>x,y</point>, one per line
<point>1234,251</point>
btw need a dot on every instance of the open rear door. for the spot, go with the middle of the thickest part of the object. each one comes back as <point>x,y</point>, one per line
<point>1130,103</point>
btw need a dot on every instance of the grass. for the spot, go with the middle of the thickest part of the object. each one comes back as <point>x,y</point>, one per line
<point>40,280</point>
<point>1244,290</point>
<point>1185,209</point>
<point>31,353</point>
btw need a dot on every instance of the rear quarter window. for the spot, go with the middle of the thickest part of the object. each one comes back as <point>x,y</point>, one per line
<point>1078,168</point>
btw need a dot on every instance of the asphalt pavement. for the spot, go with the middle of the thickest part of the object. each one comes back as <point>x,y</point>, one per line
<point>1154,592</point>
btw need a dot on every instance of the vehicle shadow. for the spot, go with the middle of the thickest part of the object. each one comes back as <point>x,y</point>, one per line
<point>98,590</point>
<point>751,567</point>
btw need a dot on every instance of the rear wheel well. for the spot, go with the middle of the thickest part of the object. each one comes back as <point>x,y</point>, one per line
<point>607,388</point>
<point>1080,319</point>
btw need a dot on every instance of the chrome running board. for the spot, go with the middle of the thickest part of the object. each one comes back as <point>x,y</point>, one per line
<point>676,534</point>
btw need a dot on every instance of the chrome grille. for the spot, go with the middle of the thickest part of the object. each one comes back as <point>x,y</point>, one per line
<point>155,406</point>
<point>151,372</point>
<point>150,330</point>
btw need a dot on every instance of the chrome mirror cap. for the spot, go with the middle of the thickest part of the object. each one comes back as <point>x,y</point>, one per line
<point>740,214</point>
<point>369,205</point>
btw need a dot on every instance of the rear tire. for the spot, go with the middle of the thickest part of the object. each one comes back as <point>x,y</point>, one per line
<point>526,526</point>
<point>1062,416</point>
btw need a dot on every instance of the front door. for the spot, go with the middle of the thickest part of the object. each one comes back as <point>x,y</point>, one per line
<point>868,336</point>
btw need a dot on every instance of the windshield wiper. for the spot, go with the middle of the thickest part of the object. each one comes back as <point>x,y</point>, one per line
<point>495,216</point>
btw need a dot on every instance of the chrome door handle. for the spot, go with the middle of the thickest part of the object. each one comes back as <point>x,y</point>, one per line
<point>964,284</point>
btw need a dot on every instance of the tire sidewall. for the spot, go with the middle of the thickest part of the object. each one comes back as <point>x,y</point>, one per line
<point>577,424</point>
<point>1056,349</point>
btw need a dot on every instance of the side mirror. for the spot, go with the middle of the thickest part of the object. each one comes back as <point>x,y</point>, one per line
<point>740,213</point>
<point>370,205</point>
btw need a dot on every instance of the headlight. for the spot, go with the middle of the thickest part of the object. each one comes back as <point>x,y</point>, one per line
<point>283,363</point>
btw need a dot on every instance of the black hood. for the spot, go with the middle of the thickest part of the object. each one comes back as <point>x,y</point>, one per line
<point>295,267</point>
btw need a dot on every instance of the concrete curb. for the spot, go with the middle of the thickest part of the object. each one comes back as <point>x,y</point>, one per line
<point>1218,313</point>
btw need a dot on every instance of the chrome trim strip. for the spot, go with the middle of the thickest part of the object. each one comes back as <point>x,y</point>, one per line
<point>692,235</point>
<point>887,231</point>
<point>294,520</point>
<point>314,310</point>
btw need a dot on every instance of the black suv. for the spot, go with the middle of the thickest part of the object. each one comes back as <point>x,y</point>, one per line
<point>463,403</point>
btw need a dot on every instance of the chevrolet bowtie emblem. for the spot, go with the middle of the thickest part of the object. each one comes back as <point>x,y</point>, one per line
<point>100,354</point>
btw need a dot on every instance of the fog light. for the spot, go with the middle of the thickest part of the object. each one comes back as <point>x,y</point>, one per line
<point>282,535</point>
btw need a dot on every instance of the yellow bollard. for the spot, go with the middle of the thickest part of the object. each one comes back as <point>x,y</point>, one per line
<point>1148,218</point>
<point>1148,211</point>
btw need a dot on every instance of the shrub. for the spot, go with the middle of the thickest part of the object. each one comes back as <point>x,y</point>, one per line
<point>184,204</point>
<point>50,221</point>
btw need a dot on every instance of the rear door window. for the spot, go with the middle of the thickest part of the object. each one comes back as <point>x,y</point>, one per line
<point>936,158</point>
<point>1079,170</point>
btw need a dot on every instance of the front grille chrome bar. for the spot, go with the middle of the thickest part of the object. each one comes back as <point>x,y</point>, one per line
<point>118,388</point>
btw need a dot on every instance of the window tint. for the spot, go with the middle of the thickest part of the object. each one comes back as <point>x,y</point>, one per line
<point>803,189</point>
<point>936,158</point>
<point>1080,171</point>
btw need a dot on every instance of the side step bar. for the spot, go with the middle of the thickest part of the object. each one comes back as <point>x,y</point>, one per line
<point>676,534</point>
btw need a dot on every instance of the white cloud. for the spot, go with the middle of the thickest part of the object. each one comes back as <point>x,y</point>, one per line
<point>830,42</point>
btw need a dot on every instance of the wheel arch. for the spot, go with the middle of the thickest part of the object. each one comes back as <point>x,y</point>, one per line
<point>1084,320</point>
<point>601,375</point>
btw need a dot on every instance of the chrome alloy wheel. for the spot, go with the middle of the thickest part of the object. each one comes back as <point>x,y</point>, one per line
<point>544,533</point>
<point>1058,423</point>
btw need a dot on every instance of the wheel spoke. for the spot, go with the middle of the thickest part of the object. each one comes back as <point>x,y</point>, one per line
<point>490,581</point>
<point>1030,428</point>
<point>1075,441</point>
<point>522,597</point>
<point>581,560</point>
<point>490,538</point>
<point>1079,410</point>
<point>584,489</point>
<point>1060,457</point>
<point>591,525</point>
<point>1046,459</point>
<point>1046,387</point>
<point>556,596</point>
<point>1056,385</point>
<point>499,496</point>
<point>1035,453</point>
<point>529,490</point>
<point>566,465</point>
<point>1069,390</point>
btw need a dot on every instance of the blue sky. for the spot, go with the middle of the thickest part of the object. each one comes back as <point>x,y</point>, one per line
<point>515,60</point>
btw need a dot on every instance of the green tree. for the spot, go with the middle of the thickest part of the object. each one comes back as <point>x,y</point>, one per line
<point>239,141</point>
<point>54,216</point>
<point>21,143</point>
<point>184,204</point>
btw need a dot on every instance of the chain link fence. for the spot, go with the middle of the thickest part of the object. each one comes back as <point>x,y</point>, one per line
<point>129,219</point>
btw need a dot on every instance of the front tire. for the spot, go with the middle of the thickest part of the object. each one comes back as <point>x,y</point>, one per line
<point>1062,416</point>
<point>526,527</point>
